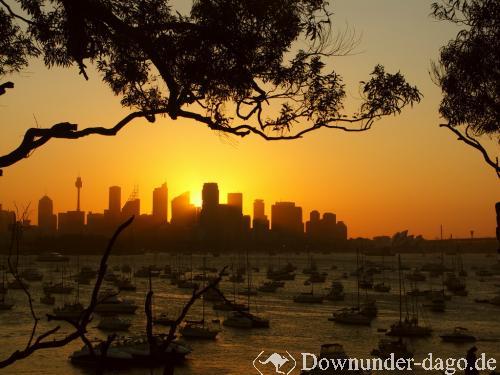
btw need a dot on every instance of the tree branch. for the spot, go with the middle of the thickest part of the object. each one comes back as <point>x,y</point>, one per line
<point>36,137</point>
<point>475,144</point>
<point>40,342</point>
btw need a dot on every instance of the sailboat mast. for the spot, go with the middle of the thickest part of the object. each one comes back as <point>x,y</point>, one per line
<point>357,273</point>
<point>400,291</point>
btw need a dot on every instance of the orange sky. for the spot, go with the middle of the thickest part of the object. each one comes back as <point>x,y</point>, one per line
<point>406,173</point>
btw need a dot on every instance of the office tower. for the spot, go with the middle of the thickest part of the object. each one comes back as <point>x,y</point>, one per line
<point>210,196</point>
<point>7,218</point>
<point>160,204</point>
<point>259,209</point>
<point>183,212</point>
<point>47,221</point>
<point>286,218</point>
<point>115,201</point>
<point>71,223</point>
<point>131,208</point>
<point>235,200</point>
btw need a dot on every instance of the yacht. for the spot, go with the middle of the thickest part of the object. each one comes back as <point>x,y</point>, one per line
<point>382,288</point>
<point>352,316</point>
<point>115,305</point>
<point>388,347</point>
<point>238,320</point>
<point>5,304</point>
<point>70,311</point>
<point>113,324</point>
<point>163,320</point>
<point>125,284</point>
<point>59,288</point>
<point>459,334</point>
<point>18,284</point>
<point>133,352</point>
<point>268,287</point>
<point>409,327</point>
<point>52,257</point>
<point>308,297</point>
<point>31,274</point>
<point>48,299</point>
<point>199,330</point>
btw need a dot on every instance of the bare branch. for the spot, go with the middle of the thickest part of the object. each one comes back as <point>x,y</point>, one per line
<point>475,144</point>
<point>36,137</point>
<point>80,325</point>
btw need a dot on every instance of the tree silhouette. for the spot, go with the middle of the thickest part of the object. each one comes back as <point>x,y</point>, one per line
<point>468,72</point>
<point>233,66</point>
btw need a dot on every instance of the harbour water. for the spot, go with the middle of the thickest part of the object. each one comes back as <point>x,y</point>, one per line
<point>294,327</point>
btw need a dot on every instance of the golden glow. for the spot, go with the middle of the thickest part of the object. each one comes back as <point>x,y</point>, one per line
<point>406,173</point>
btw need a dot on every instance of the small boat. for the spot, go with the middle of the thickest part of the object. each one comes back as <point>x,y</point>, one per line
<point>31,274</point>
<point>113,324</point>
<point>459,334</point>
<point>268,287</point>
<point>133,352</point>
<point>58,288</point>
<point>351,316</point>
<point>409,328</point>
<point>70,311</point>
<point>114,305</point>
<point>199,330</point>
<point>4,304</point>
<point>163,320</point>
<point>230,306</point>
<point>248,292</point>
<point>125,284</point>
<point>382,288</point>
<point>48,299</point>
<point>52,257</point>
<point>386,348</point>
<point>437,305</point>
<point>308,298</point>
<point>18,284</point>
<point>237,320</point>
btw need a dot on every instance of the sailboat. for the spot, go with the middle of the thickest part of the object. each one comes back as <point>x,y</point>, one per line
<point>199,329</point>
<point>4,305</point>
<point>382,287</point>
<point>243,319</point>
<point>59,288</point>
<point>409,327</point>
<point>308,297</point>
<point>70,311</point>
<point>360,314</point>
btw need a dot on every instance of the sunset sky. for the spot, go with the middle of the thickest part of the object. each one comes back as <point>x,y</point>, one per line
<point>406,173</point>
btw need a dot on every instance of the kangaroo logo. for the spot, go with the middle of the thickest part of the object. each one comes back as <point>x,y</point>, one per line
<point>277,360</point>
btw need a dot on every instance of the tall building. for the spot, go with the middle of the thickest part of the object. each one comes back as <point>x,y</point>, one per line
<point>235,200</point>
<point>260,223</point>
<point>47,221</point>
<point>7,218</point>
<point>71,223</point>
<point>286,218</point>
<point>210,196</point>
<point>183,212</point>
<point>131,208</point>
<point>78,185</point>
<point>115,201</point>
<point>160,204</point>
<point>259,209</point>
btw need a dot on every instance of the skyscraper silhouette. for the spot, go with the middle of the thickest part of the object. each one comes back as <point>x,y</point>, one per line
<point>115,201</point>
<point>47,221</point>
<point>160,204</point>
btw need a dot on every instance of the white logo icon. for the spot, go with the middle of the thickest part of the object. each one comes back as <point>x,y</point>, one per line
<point>278,361</point>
